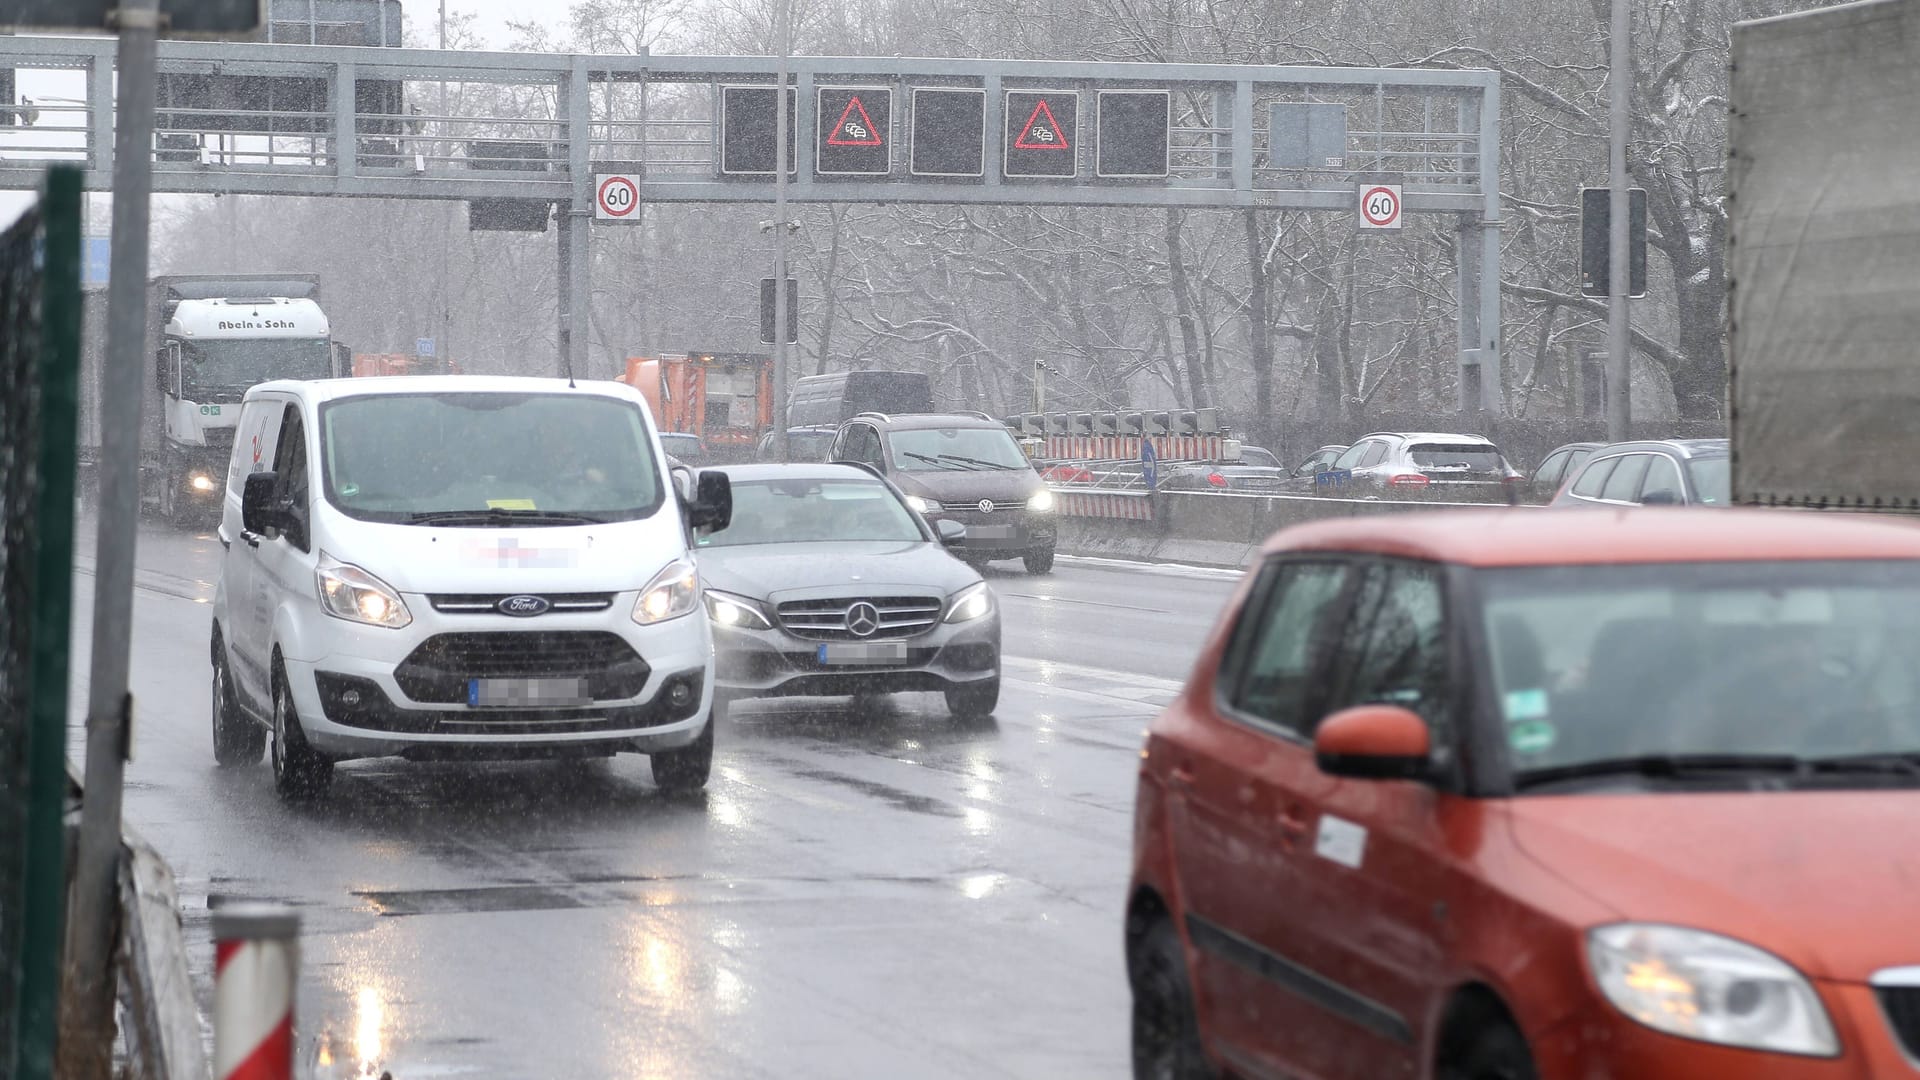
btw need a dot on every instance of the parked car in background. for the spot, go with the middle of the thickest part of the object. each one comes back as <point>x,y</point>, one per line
<point>1260,457</point>
<point>1670,472</point>
<point>804,444</point>
<point>1301,479</point>
<point>685,448</point>
<point>1562,463</point>
<point>832,586</point>
<point>965,467</point>
<point>1436,465</point>
<point>1241,475</point>
<point>1523,795</point>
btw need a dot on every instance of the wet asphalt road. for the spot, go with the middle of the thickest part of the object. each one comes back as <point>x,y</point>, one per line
<point>886,894</point>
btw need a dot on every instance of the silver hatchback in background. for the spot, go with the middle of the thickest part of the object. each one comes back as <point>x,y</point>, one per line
<point>827,584</point>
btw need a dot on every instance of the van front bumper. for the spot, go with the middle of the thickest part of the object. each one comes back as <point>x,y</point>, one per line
<point>370,692</point>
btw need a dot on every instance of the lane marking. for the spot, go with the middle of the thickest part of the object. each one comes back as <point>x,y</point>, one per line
<point>1215,573</point>
<point>1088,603</point>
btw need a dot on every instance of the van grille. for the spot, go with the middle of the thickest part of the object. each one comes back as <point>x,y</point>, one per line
<point>826,620</point>
<point>1902,1004</point>
<point>438,671</point>
<point>488,603</point>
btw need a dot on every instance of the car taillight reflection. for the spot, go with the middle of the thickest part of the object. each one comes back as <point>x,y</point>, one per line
<point>1408,480</point>
<point>1216,480</point>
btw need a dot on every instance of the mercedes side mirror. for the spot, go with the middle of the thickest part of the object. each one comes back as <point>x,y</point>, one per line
<point>1374,742</point>
<point>711,508</point>
<point>951,532</point>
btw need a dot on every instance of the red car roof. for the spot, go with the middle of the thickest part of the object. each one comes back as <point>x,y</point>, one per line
<point>1536,537</point>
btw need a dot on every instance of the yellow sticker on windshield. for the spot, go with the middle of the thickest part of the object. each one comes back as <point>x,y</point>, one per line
<point>511,504</point>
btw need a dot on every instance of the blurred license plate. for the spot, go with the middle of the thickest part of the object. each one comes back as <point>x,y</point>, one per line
<point>527,693</point>
<point>867,652</point>
<point>991,532</point>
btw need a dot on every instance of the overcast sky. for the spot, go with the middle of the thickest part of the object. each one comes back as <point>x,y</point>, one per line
<point>423,16</point>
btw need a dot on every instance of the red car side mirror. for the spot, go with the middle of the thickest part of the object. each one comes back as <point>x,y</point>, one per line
<point>1374,742</point>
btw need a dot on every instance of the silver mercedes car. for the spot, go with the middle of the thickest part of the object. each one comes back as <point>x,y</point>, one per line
<point>827,584</point>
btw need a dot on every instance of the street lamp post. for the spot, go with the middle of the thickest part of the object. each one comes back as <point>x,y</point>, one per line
<point>1619,281</point>
<point>782,32</point>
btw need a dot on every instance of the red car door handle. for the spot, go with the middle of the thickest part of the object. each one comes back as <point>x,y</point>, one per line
<point>1181,777</point>
<point>1293,823</point>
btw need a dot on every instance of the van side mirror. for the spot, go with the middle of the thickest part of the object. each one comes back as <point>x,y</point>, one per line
<point>1374,742</point>
<point>952,533</point>
<point>682,483</point>
<point>257,512</point>
<point>711,509</point>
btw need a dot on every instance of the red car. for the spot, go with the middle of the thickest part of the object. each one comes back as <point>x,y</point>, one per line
<point>1540,794</point>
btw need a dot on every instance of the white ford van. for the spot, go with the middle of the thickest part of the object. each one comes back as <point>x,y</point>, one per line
<point>459,567</point>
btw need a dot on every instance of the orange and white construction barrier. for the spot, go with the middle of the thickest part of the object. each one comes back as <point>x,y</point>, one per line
<point>257,966</point>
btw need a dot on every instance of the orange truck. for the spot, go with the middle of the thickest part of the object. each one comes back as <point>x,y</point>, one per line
<point>725,398</point>
<point>375,364</point>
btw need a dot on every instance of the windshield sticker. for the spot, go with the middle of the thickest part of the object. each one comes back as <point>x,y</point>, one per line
<point>1531,737</point>
<point>349,490</point>
<point>1525,705</point>
<point>511,504</point>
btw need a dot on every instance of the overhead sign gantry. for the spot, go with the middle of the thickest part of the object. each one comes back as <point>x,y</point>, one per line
<point>686,129</point>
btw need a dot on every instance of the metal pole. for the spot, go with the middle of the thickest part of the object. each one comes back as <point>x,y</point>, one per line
<point>443,349</point>
<point>86,1021</point>
<point>1619,328</point>
<point>782,32</point>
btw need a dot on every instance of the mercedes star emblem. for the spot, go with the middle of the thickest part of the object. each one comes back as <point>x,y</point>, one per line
<point>863,619</point>
<point>986,506</point>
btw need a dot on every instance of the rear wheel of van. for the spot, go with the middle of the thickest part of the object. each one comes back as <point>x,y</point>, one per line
<point>1166,1034</point>
<point>683,771</point>
<point>298,771</point>
<point>1039,562</point>
<point>237,740</point>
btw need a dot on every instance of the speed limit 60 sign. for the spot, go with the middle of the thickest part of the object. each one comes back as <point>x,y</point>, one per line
<point>1380,206</point>
<point>616,197</point>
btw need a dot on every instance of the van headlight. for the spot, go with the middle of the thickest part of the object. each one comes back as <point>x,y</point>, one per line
<point>1042,501</point>
<point>921,506</point>
<point>970,603</point>
<point>348,592</point>
<point>737,612</point>
<point>1708,987</point>
<point>673,592</point>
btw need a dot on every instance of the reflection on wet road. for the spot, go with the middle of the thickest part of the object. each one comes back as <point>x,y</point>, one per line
<point>879,891</point>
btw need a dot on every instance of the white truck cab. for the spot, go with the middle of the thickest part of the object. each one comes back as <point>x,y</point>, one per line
<point>452,567</point>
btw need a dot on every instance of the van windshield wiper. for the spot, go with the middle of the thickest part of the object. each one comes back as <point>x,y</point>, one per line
<point>496,516</point>
<point>941,461</point>
<point>979,462</point>
<point>1703,766</point>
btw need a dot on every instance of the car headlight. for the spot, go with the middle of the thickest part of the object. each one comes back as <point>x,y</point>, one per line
<point>200,482</point>
<point>348,592</point>
<point>970,603</point>
<point>736,611</point>
<point>1704,986</point>
<point>921,506</point>
<point>673,592</point>
<point>1041,502</point>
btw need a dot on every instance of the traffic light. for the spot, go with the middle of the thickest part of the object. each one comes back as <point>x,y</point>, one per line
<point>1059,423</point>
<point>1082,423</point>
<point>1596,216</point>
<point>1106,423</point>
<point>1160,423</point>
<point>1133,423</point>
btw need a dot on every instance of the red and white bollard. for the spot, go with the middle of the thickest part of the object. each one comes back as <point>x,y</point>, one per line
<point>256,969</point>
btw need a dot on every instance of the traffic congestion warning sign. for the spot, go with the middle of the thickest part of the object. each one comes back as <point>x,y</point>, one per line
<point>616,197</point>
<point>856,131</point>
<point>1380,206</point>
<point>1042,133</point>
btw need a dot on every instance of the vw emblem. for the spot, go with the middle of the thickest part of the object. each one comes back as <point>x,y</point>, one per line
<point>986,506</point>
<point>523,607</point>
<point>863,619</point>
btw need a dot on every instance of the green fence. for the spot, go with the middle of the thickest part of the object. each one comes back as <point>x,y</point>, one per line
<point>39,382</point>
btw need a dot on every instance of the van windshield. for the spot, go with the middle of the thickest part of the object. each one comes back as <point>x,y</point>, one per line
<point>478,459</point>
<point>918,450</point>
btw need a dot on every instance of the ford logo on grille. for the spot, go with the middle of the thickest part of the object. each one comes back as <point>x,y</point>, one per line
<point>523,607</point>
<point>986,506</point>
<point>863,619</point>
